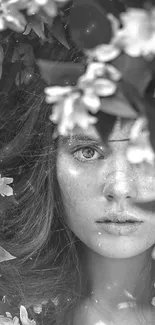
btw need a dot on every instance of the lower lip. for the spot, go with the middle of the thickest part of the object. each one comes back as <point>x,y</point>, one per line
<point>120,229</point>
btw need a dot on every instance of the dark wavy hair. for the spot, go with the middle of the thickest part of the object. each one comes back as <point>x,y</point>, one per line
<point>32,221</point>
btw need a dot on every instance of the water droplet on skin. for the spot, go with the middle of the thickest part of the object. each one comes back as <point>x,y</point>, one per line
<point>129,295</point>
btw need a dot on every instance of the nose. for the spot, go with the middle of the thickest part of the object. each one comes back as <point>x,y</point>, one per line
<point>120,187</point>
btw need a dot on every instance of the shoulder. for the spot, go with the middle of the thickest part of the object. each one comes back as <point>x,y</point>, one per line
<point>86,314</point>
<point>149,316</point>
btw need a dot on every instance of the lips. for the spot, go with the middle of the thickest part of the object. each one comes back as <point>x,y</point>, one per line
<point>119,218</point>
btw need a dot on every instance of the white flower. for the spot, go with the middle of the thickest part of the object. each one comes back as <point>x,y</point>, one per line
<point>10,15</point>
<point>140,149</point>
<point>71,105</point>
<point>24,317</point>
<point>137,36</point>
<point>94,70</point>
<point>49,6</point>
<point>69,113</point>
<point>15,321</point>
<point>8,320</point>
<point>104,52</point>
<point>93,87</point>
<point>5,189</point>
<point>56,93</point>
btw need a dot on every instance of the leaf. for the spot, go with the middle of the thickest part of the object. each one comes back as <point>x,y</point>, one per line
<point>146,206</point>
<point>61,74</point>
<point>5,256</point>
<point>58,31</point>
<point>1,60</point>
<point>1,54</point>
<point>135,71</point>
<point>89,25</point>
<point>38,27</point>
<point>8,79</point>
<point>150,114</point>
<point>117,105</point>
<point>104,124</point>
<point>25,51</point>
<point>133,96</point>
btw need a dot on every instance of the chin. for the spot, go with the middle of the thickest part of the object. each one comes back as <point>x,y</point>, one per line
<point>126,250</point>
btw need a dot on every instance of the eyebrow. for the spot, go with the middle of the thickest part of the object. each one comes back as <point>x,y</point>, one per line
<point>86,138</point>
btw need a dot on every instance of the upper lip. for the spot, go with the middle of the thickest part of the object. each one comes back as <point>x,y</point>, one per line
<point>121,217</point>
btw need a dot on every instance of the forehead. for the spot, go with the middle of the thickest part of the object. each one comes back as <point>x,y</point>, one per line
<point>120,131</point>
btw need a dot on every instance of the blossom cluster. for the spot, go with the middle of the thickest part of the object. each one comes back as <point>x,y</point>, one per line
<point>24,320</point>
<point>135,37</point>
<point>72,104</point>
<point>12,16</point>
<point>133,34</point>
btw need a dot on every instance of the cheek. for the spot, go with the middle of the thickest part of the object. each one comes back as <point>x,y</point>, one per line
<point>146,182</point>
<point>84,203</point>
<point>76,185</point>
<point>79,191</point>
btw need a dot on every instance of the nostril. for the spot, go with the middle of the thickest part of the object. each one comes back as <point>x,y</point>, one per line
<point>110,197</point>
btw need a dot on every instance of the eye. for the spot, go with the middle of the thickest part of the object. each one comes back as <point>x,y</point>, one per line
<point>88,154</point>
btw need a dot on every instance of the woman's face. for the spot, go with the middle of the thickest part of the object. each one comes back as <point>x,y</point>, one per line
<point>97,188</point>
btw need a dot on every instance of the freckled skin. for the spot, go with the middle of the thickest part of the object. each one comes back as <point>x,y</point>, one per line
<point>106,182</point>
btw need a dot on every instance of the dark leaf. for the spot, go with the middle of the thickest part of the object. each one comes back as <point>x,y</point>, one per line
<point>104,125</point>
<point>89,25</point>
<point>135,71</point>
<point>8,79</point>
<point>60,73</point>
<point>38,27</point>
<point>133,96</point>
<point>150,113</point>
<point>117,105</point>
<point>58,31</point>
<point>146,206</point>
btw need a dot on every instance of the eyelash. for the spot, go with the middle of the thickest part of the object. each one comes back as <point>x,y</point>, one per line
<point>98,150</point>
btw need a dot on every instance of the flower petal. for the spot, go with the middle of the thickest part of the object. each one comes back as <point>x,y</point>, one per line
<point>6,190</point>
<point>135,155</point>
<point>104,52</point>
<point>5,320</point>
<point>5,256</point>
<point>104,87</point>
<point>94,69</point>
<point>114,74</point>
<point>66,122</point>
<point>16,321</point>
<point>138,127</point>
<point>24,317</point>
<point>81,116</point>
<point>53,94</point>
<point>92,101</point>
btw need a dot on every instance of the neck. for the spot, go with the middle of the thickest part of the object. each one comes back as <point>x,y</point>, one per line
<point>115,281</point>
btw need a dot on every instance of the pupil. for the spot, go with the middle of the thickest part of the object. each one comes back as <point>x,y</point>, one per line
<point>88,153</point>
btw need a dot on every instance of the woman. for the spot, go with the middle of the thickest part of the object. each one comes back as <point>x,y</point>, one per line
<point>83,249</point>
